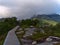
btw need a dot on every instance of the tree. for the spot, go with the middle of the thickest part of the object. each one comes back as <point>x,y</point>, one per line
<point>35,22</point>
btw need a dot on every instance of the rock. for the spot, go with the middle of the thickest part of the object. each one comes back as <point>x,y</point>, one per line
<point>19,32</point>
<point>34,42</point>
<point>20,29</point>
<point>48,39</point>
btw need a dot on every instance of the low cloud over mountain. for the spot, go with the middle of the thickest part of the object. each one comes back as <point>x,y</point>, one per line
<point>27,8</point>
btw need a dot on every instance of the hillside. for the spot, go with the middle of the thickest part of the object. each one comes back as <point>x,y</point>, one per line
<point>51,22</point>
<point>54,17</point>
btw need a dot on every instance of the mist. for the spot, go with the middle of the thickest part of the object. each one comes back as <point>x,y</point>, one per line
<point>23,9</point>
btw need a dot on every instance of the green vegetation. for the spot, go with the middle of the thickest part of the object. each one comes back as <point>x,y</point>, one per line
<point>38,36</point>
<point>5,25</point>
<point>28,22</point>
<point>51,22</point>
<point>2,38</point>
<point>56,30</point>
<point>50,27</point>
<point>20,35</point>
<point>57,44</point>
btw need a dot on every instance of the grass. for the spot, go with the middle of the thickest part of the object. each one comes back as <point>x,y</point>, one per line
<point>50,22</point>
<point>2,38</point>
<point>19,36</point>
<point>57,44</point>
<point>57,34</point>
<point>38,36</point>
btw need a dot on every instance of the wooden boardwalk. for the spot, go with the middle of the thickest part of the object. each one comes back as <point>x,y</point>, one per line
<point>11,38</point>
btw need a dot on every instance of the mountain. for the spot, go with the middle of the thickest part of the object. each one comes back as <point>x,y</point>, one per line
<point>54,17</point>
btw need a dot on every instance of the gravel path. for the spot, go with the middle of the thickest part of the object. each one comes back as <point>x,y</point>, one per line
<point>11,38</point>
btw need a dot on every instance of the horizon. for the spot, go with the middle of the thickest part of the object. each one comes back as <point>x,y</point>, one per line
<point>32,16</point>
<point>27,8</point>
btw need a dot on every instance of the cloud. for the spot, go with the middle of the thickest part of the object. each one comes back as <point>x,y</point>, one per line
<point>27,8</point>
<point>4,11</point>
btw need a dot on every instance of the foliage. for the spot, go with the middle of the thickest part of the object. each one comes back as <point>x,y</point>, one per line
<point>51,22</point>
<point>56,30</point>
<point>38,36</point>
<point>57,44</point>
<point>6,25</point>
<point>51,28</point>
<point>29,22</point>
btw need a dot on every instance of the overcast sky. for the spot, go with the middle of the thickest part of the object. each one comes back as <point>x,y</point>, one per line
<point>27,8</point>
